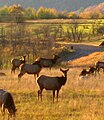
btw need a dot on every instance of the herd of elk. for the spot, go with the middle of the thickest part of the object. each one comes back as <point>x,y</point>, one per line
<point>92,70</point>
<point>44,82</point>
<point>85,73</point>
<point>36,67</point>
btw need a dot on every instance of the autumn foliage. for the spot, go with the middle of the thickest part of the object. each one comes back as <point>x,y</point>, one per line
<point>18,14</point>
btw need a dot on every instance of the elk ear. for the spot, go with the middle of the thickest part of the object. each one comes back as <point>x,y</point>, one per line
<point>64,70</point>
<point>67,69</point>
<point>61,69</point>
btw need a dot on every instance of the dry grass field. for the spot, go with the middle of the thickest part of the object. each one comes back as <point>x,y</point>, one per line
<point>78,99</point>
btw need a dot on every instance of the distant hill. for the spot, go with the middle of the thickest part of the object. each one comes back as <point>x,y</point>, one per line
<point>95,11</point>
<point>99,7</point>
<point>69,5</point>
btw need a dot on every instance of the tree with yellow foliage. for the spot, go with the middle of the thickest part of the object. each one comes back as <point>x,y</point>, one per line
<point>16,13</point>
<point>46,13</point>
<point>73,15</point>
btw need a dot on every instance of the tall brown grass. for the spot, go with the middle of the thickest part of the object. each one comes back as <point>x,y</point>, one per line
<point>78,99</point>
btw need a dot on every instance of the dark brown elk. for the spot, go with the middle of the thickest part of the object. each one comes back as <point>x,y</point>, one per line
<point>16,63</point>
<point>84,72</point>
<point>34,68</point>
<point>48,62</point>
<point>99,65</point>
<point>7,102</point>
<point>51,83</point>
<point>92,71</point>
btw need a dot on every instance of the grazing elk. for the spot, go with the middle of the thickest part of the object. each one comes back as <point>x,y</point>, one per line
<point>84,73</point>
<point>7,102</point>
<point>99,65</point>
<point>48,62</point>
<point>92,71</point>
<point>17,62</point>
<point>34,68</point>
<point>51,83</point>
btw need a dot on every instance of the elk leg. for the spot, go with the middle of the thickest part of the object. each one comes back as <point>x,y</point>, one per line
<point>57,94</point>
<point>20,75</point>
<point>13,69</point>
<point>53,95</point>
<point>40,94</point>
<point>35,76</point>
<point>98,70</point>
<point>3,110</point>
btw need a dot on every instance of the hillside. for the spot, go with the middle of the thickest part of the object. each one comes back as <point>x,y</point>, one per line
<point>70,5</point>
<point>87,60</point>
<point>84,55</point>
<point>99,7</point>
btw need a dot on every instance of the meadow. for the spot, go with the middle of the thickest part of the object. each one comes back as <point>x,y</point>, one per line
<point>78,99</point>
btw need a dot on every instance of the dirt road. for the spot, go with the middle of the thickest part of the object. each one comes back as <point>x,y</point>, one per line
<point>82,50</point>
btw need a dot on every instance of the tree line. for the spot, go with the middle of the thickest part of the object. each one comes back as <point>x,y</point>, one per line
<point>18,14</point>
<point>34,40</point>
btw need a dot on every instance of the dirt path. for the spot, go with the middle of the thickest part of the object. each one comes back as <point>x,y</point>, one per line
<point>82,50</point>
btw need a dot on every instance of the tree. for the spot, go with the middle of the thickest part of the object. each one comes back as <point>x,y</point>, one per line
<point>4,13</point>
<point>62,14</point>
<point>73,15</point>
<point>100,30</point>
<point>16,13</point>
<point>30,13</point>
<point>46,13</point>
<point>76,32</point>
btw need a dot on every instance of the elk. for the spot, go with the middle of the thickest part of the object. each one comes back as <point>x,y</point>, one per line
<point>51,83</point>
<point>16,63</point>
<point>92,70</point>
<point>84,73</point>
<point>48,62</point>
<point>7,102</point>
<point>34,68</point>
<point>99,65</point>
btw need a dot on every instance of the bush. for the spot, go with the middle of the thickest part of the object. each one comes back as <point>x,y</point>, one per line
<point>100,30</point>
